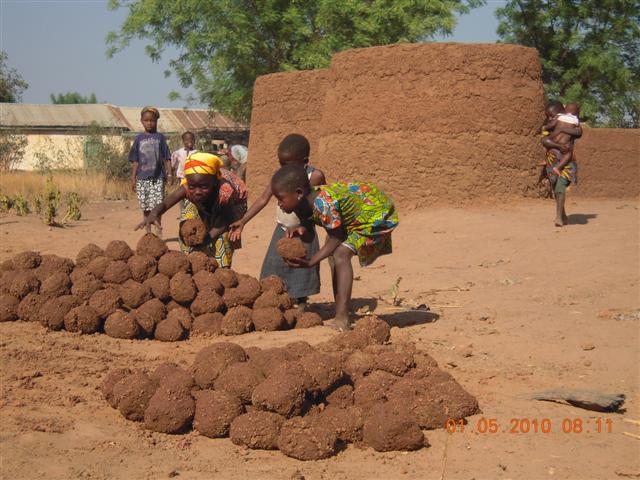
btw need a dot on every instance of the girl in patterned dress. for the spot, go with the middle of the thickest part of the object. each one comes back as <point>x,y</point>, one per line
<point>214,195</point>
<point>358,218</point>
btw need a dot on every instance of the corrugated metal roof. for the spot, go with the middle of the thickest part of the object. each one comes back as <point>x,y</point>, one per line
<point>56,116</point>
<point>172,120</point>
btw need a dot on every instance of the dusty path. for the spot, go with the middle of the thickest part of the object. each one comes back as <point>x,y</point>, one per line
<point>518,306</point>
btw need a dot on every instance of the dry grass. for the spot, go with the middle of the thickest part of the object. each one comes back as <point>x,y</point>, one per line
<point>89,185</point>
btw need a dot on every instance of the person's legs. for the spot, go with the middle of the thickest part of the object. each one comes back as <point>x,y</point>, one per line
<point>145,214</point>
<point>344,284</point>
<point>561,193</point>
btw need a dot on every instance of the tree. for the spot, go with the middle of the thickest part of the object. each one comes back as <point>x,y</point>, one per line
<point>11,82</point>
<point>72,98</point>
<point>590,52</point>
<point>224,45</point>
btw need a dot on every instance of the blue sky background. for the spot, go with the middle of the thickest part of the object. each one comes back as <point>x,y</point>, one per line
<point>58,46</point>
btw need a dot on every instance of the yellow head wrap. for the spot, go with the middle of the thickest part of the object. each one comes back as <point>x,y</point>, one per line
<point>202,163</point>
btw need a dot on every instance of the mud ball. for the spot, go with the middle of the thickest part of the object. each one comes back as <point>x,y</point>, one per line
<point>359,364</point>
<point>151,245</point>
<point>154,308</point>
<point>200,261</point>
<point>54,310</point>
<point>169,411</point>
<point>183,289</point>
<point>208,324</point>
<point>29,307</point>
<point>291,317</point>
<point>6,265</point>
<point>297,350</point>
<point>268,299</point>
<point>207,302</point>
<point>121,324</point>
<point>173,262</point>
<point>182,315</point>
<point>305,439</point>
<point>215,411</point>
<point>79,273</point>
<point>86,287</point>
<point>387,429</point>
<point>134,294</point>
<point>56,285</point>
<point>105,301</point>
<point>132,395</point>
<point>106,387</point>
<point>193,232</point>
<point>273,283</point>
<point>269,359</point>
<point>345,342</point>
<point>257,430</point>
<point>159,285</point>
<point>377,330</point>
<point>88,253</point>
<point>308,320</point>
<point>237,321</point>
<point>142,267</point>
<point>6,278</point>
<point>83,319</point>
<point>54,263</point>
<point>23,283</point>
<point>169,330</point>
<point>324,369</point>
<point>118,250</point>
<point>117,272</point>
<point>208,282</point>
<point>373,389</point>
<point>26,260</point>
<point>291,248</point>
<point>239,379</point>
<point>396,362</point>
<point>268,319</point>
<point>173,377</point>
<point>227,277</point>
<point>346,422</point>
<point>8,308</point>
<point>282,392</point>
<point>211,361</point>
<point>340,397</point>
<point>98,266</point>
<point>285,301</point>
<point>241,295</point>
<point>424,360</point>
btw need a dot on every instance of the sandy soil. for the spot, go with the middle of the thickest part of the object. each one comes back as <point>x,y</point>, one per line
<point>517,306</point>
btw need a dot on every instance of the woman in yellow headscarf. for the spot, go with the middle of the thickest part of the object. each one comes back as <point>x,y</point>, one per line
<point>214,195</point>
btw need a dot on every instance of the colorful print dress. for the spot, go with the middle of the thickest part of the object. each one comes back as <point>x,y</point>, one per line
<point>366,214</point>
<point>229,206</point>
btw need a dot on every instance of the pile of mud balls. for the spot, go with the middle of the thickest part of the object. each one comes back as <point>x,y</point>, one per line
<point>308,402</point>
<point>151,292</point>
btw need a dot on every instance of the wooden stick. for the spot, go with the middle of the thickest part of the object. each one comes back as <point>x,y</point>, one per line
<point>632,435</point>
<point>628,420</point>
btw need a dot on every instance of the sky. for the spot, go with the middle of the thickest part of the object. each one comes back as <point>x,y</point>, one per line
<point>59,46</point>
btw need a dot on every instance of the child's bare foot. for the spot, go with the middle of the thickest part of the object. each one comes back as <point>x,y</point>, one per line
<point>342,324</point>
<point>565,219</point>
<point>559,222</point>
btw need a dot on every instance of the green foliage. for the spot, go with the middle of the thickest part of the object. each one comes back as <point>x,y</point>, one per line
<point>21,206</point>
<point>11,82</point>
<point>5,203</point>
<point>74,202</point>
<point>590,53</point>
<point>108,157</point>
<point>72,98</point>
<point>226,44</point>
<point>12,149</point>
<point>50,202</point>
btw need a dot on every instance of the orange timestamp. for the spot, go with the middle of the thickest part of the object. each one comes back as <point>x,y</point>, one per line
<point>531,425</point>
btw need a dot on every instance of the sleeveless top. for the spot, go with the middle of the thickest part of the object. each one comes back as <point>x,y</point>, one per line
<point>291,220</point>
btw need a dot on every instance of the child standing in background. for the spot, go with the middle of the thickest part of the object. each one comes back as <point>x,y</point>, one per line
<point>180,156</point>
<point>358,219</point>
<point>294,149</point>
<point>150,165</point>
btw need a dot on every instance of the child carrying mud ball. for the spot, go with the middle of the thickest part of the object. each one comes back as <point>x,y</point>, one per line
<point>150,165</point>
<point>294,149</point>
<point>559,134</point>
<point>215,196</point>
<point>358,219</point>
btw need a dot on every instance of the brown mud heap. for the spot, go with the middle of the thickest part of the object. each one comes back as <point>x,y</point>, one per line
<point>149,293</point>
<point>308,402</point>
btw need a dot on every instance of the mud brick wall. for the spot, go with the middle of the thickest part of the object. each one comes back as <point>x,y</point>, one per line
<point>608,163</point>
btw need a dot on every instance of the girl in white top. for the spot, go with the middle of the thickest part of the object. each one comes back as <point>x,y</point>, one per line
<point>301,283</point>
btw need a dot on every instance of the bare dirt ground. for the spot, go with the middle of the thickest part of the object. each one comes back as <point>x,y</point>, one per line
<point>517,306</point>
